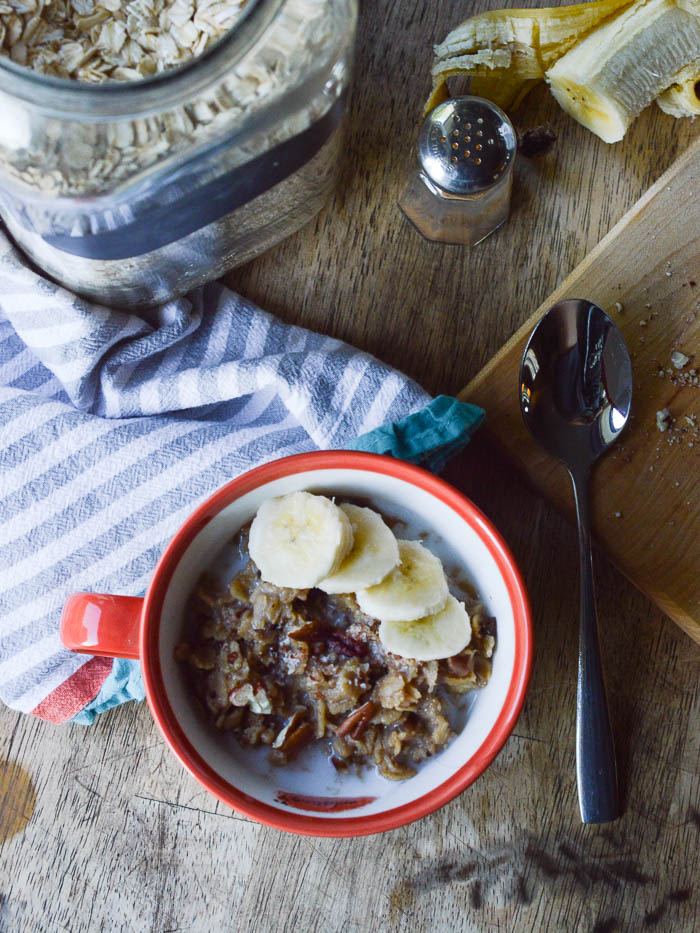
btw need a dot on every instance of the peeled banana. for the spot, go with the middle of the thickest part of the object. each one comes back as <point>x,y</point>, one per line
<point>604,61</point>
<point>606,80</point>
<point>682,97</point>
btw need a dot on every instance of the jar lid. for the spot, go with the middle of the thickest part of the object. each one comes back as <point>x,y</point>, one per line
<point>466,145</point>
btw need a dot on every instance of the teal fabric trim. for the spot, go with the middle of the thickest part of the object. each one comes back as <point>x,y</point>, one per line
<point>429,437</point>
<point>123,684</point>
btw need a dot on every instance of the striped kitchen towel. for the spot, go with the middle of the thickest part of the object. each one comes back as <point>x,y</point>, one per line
<point>113,427</point>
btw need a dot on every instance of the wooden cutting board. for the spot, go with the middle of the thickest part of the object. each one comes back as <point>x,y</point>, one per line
<point>646,490</point>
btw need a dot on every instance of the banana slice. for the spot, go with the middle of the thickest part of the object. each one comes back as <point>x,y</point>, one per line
<point>374,554</point>
<point>606,80</point>
<point>436,636</point>
<point>416,587</point>
<point>299,539</point>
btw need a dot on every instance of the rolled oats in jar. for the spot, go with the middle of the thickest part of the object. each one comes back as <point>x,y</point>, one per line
<point>147,146</point>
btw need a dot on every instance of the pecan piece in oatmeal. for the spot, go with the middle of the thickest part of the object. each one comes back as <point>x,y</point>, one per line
<point>357,722</point>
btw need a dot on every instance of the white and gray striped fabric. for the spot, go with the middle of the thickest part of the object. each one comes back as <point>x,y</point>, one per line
<point>112,427</point>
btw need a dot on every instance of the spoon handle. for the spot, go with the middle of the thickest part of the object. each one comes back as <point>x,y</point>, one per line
<point>596,770</point>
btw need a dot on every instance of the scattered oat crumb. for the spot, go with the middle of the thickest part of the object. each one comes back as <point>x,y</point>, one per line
<point>651,469</point>
<point>642,323</point>
<point>686,379</point>
<point>676,483</point>
<point>619,307</point>
<point>663,419</point>
<point>618,514</point>
<point>679,359</point>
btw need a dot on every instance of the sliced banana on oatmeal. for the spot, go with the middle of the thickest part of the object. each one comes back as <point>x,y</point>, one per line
<point>440,635</point>
<point>374,554</point>
<point>416,587</point>
<point>298,539</point>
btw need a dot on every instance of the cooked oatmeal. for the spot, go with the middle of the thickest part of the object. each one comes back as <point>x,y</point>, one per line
<point>287,668</point>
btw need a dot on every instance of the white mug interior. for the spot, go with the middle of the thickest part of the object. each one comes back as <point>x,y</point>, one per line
<point>248,770</point>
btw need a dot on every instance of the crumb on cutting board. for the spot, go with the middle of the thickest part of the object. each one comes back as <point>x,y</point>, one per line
<point>663,419</point>
<point>679,359</point>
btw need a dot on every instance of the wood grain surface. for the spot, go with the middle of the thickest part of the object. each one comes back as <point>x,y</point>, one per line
<point>646,508</point>
<point>120,838</point>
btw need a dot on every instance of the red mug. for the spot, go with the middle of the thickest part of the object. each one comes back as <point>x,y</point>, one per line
<point>316,800</point>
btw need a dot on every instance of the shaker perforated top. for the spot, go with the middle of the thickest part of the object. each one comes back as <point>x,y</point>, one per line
<point>466,145</point>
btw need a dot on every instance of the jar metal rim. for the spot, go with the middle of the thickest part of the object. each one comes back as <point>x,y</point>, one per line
<point>125,98</point>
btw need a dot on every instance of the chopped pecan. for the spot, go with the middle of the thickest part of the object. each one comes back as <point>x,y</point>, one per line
<point>356,723</point>
<point>316,631</point>
<point>295,739</point>
<point>309,631</point>
<point>256,699</point>
<point>461,664</point>
<point>296,719</point>
<point>321,710</point>
<point>482,669</point>
<point>229,719</point>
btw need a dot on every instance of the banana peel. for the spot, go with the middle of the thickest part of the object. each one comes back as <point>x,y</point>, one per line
<point>604,61</point>
<point>505,53</point>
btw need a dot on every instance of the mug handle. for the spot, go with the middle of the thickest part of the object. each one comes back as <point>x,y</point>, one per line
<point>101,624</point>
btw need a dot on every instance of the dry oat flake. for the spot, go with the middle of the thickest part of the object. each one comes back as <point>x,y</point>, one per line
<point>119,40</point>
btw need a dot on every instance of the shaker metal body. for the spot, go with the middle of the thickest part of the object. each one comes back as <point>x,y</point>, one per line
<point>460,190</point>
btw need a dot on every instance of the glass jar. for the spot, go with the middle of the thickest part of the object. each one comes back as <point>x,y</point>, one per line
<point>132,193</point>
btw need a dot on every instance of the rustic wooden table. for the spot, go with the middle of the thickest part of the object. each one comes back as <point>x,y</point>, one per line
<point>100,828</point>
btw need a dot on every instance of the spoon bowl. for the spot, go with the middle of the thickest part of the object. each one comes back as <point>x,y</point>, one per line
<point>576,382</point>
<point>575,396</point>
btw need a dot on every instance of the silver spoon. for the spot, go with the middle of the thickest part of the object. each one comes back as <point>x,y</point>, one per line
<point>575,394</point>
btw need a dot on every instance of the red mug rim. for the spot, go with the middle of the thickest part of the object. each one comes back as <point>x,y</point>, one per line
<point>302,823</point>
